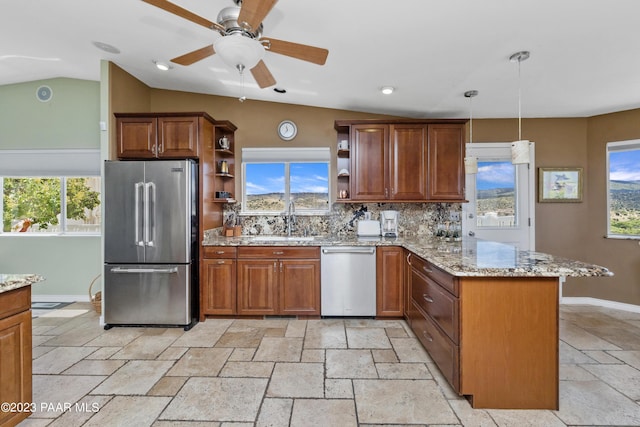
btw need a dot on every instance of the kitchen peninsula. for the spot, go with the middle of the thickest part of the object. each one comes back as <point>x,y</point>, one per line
<point>15,344</point>
<point>486,312</point>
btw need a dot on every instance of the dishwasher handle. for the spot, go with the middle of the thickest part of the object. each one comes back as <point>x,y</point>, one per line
<point>348,250</point>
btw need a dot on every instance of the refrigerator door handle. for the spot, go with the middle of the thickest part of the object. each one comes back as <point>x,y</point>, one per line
<point>145,270</point>
<point>138,187</point>
<point>150,213</point>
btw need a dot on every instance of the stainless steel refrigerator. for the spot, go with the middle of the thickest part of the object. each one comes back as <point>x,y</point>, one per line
<point>150,243</point>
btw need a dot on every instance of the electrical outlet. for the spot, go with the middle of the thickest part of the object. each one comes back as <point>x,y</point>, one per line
<point>454,216</point>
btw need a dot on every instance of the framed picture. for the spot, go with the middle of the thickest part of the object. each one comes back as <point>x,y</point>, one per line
<point>559,184</point>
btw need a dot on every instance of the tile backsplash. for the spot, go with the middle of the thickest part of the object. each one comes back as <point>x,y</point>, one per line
<point>414,219</point>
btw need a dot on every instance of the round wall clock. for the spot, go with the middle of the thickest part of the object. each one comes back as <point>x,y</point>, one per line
<point>287,130</point>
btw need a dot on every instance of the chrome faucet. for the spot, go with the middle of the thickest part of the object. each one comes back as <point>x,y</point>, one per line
<point>291,217</point>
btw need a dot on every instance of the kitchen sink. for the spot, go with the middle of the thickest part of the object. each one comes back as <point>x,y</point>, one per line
<point>282,238</point>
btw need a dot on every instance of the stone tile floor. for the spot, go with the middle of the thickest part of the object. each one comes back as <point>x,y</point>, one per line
<point>279,372</point>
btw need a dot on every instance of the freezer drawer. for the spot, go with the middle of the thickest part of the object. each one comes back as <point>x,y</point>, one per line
<point>147,294</point>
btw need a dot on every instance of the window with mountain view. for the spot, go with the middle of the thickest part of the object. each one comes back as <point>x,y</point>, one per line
<point>623,189</point>
<point>269,186</point>
<point>496,195</point>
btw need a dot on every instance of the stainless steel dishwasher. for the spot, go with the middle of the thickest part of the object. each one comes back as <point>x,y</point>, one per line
<point>348,281</point>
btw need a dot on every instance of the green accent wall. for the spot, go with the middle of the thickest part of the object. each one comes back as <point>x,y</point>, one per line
<point>69,120</point>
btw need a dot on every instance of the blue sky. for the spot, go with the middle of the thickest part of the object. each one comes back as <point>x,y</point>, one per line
<point>262,178</point>
<point>624,165</point>
<point>495,175</point>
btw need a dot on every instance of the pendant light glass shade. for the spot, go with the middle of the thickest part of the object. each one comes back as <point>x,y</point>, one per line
<point>470,162</point>
<point>520,148</point>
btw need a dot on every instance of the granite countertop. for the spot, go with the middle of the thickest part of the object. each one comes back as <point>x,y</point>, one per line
<point>9,282</point>
<point>467,258</point>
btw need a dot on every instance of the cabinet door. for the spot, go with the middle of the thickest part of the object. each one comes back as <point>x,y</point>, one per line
<point>408,162</point>
<point>136,137</point>
<point>446,163</point>
<point>299,287</point>
<point>177,137</point>
<point>389,282</point>
<point>369,146</point>
<point>15,364</point>
<point>218,287</point>
<point>257,287</point>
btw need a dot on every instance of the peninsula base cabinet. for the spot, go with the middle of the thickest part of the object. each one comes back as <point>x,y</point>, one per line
<point>15,354</point>
<point>495,339</point>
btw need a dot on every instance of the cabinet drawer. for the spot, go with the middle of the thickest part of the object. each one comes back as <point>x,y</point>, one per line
<point>311,252</point>
<point>436,302</point>
<point>446,280</point>
<point>441,349</point>
<point>219,251</point>
<point>15,301</point>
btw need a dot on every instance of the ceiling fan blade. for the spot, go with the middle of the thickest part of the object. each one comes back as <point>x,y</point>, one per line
<point>184,13</point>
<point>195,56</point>
<point>312,54</point>
<point>253,12</point>
<point>262,75</point>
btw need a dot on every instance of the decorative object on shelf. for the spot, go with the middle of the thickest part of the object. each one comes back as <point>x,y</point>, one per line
<point>343,145</point>
<point>344,194</point>
<point>223,195</point>
<point>287,130</point>
<point>224,166</point>
<point>470,162</point>
<point>224,143</point>
<point>520,148</point>
<point>560,185</point>
<point>343,172</point>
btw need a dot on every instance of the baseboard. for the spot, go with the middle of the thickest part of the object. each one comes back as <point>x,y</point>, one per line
<point>59,298</point>
<point>600,302</point>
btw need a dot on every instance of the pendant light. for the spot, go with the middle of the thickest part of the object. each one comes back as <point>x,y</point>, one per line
<point>470,162</point>
<point>520,148</point>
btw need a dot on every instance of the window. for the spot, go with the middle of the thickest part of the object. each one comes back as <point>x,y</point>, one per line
<point>496,195</point>
<point>272,177</point>
<point>623,189</point>
<point>50,191</point>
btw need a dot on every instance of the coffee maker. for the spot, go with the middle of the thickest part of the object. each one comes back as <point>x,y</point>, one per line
<point>389,223</point>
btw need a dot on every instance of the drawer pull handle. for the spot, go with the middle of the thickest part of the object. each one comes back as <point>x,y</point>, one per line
<point>426,335</point>
<point>220,262</point>
<point>427,298</point>
<point>428,270</point>
<point>219,252</point>
<point>278,252</point>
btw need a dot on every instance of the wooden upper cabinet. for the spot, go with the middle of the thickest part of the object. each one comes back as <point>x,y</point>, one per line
<point>158,135</point>
<point>446,162</point>
<point>369,151</point>
<point>177,137</point>
<point>408,162</point>
<point>136,137</point>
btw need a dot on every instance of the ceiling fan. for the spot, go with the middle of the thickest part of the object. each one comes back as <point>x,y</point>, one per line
<point>242,45</point>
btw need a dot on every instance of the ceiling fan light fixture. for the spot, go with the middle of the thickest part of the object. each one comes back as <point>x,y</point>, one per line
<point>236,49</point>
<point>387,90</point>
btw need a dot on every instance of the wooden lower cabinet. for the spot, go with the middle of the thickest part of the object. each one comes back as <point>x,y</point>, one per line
<point>218,281</point>
<point>389,281</point>
<point>495,339</point>
<point>287,285</point>
<point>15,353</point>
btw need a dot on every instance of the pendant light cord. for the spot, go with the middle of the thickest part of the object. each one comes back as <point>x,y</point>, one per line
<point>519,103</point>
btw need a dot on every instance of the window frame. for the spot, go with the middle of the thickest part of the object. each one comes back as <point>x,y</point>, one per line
<point>60,164</point>
<point>286,157</point>
<point>617,146</point>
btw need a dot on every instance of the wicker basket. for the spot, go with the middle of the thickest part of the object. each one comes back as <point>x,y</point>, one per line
<point>96,300</point>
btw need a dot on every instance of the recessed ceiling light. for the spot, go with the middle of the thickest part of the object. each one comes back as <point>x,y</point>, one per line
<point>279,90</point>
<point>106,47</point>
<point>387,90</point>
<point>162,65</point>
